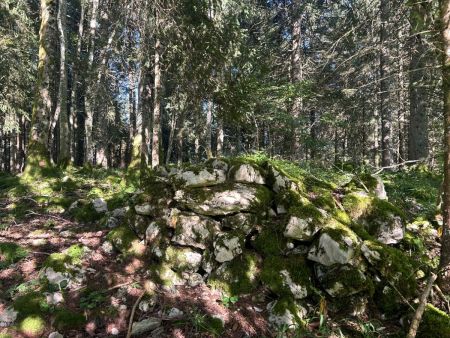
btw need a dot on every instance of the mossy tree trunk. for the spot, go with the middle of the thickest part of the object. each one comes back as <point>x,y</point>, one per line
<point>38,155</point>
<point>444,266</point>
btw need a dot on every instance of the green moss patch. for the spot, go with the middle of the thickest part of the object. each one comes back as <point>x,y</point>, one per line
<point>239,276</point>
<point>270,240</point>
<point>278,272</point>
<point>68,320</point>
<point>11,253</point>
<point>435,323</point>
<point>61,261</point>
<point>126,241</point>
<point>33,326</point>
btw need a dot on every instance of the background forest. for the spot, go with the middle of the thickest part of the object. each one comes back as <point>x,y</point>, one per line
<point>326,81</point>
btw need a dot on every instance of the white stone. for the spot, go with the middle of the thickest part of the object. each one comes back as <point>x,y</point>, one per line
<point>8,316</point>
<point>119,212</point>
<point>371,255</point>
<point>391,231</point>
<point>380,190</point>
<point>55,334</point>
<point>301,229</point>
<point>56,278</point>
<point>174,313</point>
<point>152,233</point>
<point>226,248</point>
<point>108,247</point>
<point>287,319</point>
<point>193,230</point>
<point>246,173</point>
<point>238,198</point>
<point>144,326</point>
<point>219,164</point>
<point>328,251</point>
<point>281,182</point>
<point>144,306</point>
<point>144,209</point>
<point>112,222</point>
<point>54,298</point>
<point>203,178</point>
<point>100,205</point>
<point>114,331</point>
<point>297,290</point>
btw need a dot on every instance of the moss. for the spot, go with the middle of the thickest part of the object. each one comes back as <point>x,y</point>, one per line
<point>275,266</point>
<point>177,258</point>
<point>85,212</point>
<point>435,323</point>
<point>11,253</point>
<point>338,231</point>
<point>61,261</point>
<point>239,276</point>
<point>342,216</point>
<point>344,280</point>
<point>32,326</point>
<point>356,204</point>
<point>164,275</point>
<point>32,303</point>
<point>284,304</point>
<point>68,320</point>
<point>126,241</point>
<point>270,240</point>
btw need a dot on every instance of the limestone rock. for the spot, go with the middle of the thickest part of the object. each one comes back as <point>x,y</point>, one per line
<point>55,334</point>
<point>280,181</point>
<point>302,229</point>
<point>227,246</point>
<point>244,222</point>
<point>246,173</point>
<point>342,280</point>
<point>182,259</point>
<point>193,230</point>
<point>145,326</point>
<point>8,316</point>
<point>336,245</point>
<point>281,315</point>
<point>144,209</point>
<point>119,212</point>
<point>224,200</point>
<point>54,298</point>
<point>380,190</point>
<point>203,178</point>
<point>390,231</point>
<point>100,205</point>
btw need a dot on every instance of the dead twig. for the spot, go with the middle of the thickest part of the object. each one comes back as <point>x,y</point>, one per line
<point>421,308</point>
<point>130,324</point>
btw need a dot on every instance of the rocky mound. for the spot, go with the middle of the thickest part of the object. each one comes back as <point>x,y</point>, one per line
<point>242,228</point>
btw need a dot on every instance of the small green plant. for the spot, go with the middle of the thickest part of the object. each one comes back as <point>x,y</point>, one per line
<point>369,330</point>
<point>227,301</point>
<point>92,300</point>
<point>208,324</point>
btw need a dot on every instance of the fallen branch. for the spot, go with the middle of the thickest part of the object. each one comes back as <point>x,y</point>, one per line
<point>130,324</point>
<point>421,308</point>
<point>397,165</point>
<point>441,294</point>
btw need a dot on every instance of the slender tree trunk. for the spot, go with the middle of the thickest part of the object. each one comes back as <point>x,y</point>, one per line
<point>220,137</point>
<point>444,265</point>
<point>385,86</point>
<point>208,129</point>
<point>89,95</point>
<point>418,123</point>
<point>156,125</point>
<point>296,77</point>
<point>64,140</point>
<point>38,152</point>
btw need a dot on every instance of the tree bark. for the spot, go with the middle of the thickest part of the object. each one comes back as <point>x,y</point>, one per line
<point>444,264</point>
<point>38,153</point>
<point>208,129</point>
<point>385,86</point>
<point>89,95</point>
<point>156,125</point>
<point>64,140</point>
<point>418,123</point>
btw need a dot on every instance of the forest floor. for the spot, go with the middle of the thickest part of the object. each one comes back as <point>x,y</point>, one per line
<point>35,227</point>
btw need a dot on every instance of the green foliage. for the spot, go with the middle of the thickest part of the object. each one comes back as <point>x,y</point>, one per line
<point>11,253</point>
<point>62,261</point>
<point>68,320</point>
<point>227,301</point>
<point>92,299</point>
<point>435,323</point>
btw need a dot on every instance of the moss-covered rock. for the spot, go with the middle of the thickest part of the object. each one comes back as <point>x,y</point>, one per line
<point>270,241</point>
<point>228,245</point>
<point>126,241</point>
<point>435,323</point>
<point>239,276</point>
<point>337,244</point>
<point>344,280</point>
<point>225,199</point>
<point>285,313</point>
<point>66,260</point>
<point>11,253</point>
<point>182,259</point>
<point>244,222</point>
<point>287,276</point>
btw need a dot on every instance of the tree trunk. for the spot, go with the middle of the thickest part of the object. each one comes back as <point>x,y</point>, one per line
<point>156,125</point>
<point>385,86</point>
<point>38,152</point>
<point>64,140</point>
<point>208,129</point>
<point>444,264</point>
<point>220,137</point>
<point>418,123</point>
<point>89,95</point>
